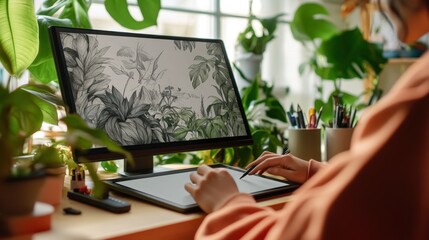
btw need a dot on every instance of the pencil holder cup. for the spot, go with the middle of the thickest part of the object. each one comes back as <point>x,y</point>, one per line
<point>337,140</point>
<point>305,143</point>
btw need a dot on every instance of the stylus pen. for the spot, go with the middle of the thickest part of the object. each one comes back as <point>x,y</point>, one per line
<point>252,167</point>
<point>248,171</point>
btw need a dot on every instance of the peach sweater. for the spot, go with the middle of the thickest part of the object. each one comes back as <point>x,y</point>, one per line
<point>379,189</point>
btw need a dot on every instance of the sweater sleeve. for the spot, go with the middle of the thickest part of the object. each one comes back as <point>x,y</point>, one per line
<point>239,218</point>
<point>242,218</point>
<point>380,182</point>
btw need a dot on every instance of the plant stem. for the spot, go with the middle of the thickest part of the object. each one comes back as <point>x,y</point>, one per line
<point>336,85</point>
<point>250,7</point>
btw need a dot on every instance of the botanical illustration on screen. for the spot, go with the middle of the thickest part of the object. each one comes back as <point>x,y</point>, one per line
<point>143,91</point>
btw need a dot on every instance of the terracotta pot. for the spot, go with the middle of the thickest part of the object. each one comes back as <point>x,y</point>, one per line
<point>19,194</point>
<point>52,189</point>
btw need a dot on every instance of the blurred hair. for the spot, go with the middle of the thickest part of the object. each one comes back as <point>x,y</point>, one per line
<point>395,7</point>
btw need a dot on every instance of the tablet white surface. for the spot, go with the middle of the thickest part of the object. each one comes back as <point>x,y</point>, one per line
<point>170,187</point>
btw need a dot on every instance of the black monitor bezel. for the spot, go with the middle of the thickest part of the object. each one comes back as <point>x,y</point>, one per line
<point>101,154</point>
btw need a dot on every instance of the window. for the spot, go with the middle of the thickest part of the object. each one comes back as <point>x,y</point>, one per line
<point>224,19</point>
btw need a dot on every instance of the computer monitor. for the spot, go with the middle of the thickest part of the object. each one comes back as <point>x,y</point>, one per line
<point>151,94</point>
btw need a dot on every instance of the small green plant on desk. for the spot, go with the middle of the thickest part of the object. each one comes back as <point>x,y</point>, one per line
<point>336,55</point>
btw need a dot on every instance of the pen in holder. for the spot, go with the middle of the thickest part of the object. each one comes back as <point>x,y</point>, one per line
<point>337,140</point>
<point>305,143</point>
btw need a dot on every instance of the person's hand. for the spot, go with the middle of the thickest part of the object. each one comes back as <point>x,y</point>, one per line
<point>288,166</point>
<point>211,187</point>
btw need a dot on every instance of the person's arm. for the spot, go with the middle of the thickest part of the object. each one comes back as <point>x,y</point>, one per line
<point>364,192</point>
<point>240,217</point>
<point>287,166</point>
<point>235,215</point>
<point>313,167</point>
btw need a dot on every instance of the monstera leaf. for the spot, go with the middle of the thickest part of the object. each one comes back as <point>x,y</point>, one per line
<point>199,72</point>
<point>309,23</point>
<point>118,9</point>
<point>348,55</point>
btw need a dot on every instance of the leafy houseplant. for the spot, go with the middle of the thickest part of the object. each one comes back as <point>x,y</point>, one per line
<point>251,44</point>
<point>25,35</point>
<point>23,109</point>
<point>337,55</point>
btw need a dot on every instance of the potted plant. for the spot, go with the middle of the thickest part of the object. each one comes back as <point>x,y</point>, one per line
<point>24,108</point>
<point>55,166</point>
<point>337,56</point>
<point>251,45</point>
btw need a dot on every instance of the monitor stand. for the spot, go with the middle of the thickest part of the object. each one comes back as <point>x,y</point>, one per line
<point>142,165</point>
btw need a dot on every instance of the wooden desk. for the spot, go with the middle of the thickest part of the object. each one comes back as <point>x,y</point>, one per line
<point>144,221</point>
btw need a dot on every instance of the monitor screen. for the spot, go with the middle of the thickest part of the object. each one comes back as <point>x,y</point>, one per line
<point>151,94</point>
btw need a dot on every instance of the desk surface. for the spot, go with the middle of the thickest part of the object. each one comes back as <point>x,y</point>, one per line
<point>144,220</point>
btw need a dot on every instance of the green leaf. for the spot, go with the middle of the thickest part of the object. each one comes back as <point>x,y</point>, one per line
<point>45,100</point>
<point>250,94</point>
<point>49,156</point>
<point>309,23</point>
<point>43,67</point>
<point>50,7</point>
<point>349,99</point>
<point>199,73</point>
<point>119,11</point>
<point>270,24</point>
<point>74,10</point>
<point>26,116</point>
<point>77,12</point>
<point>45,72</point>
<point>43,92</point>
<point>45,49</point>
<point>172,158</point>
<point>244,155</point>
<point>109,166</point>
<point>100,189</point>
<point>348,55</point>
<point>228,156</point>
<point>19,35</point>
<point>275,110</point>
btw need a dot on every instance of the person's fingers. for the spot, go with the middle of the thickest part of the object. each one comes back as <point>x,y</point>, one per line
<point>195,178</point>
<point>279,171</point>
<point>190,188</point>
<point>261,158</point>
<point>268,163</point>
<point>203,169</point>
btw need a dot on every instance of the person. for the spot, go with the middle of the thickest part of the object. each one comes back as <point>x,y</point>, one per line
<point>379,189</point>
